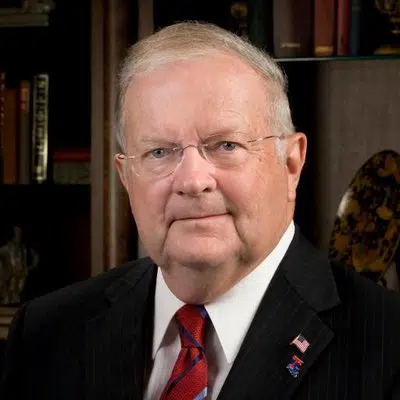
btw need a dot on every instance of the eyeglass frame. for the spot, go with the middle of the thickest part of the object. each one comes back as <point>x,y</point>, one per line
<point>200,148</point>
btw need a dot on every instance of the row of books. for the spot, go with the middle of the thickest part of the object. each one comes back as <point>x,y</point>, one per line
<point>26,155</point>
<point>317,28</point>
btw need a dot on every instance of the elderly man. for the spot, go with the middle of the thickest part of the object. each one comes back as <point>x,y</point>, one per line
<point>232,302</point>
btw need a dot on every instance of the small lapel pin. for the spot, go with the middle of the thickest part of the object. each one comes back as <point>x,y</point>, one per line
<point>294,366</point>
<point>301,343</point>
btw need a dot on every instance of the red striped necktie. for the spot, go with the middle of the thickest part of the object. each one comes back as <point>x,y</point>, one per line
<point>188,380</point>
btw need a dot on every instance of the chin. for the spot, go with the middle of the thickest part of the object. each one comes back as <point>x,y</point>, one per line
<point>196,261</point>
<point>199,274</point>
<point>201,254</point>
<point>198,257</point>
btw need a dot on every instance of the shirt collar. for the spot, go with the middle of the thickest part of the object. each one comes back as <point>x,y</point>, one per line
<point>234,308</point>
<point>166,305</point>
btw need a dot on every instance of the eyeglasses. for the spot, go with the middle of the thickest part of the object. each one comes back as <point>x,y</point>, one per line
<point>161,161</point>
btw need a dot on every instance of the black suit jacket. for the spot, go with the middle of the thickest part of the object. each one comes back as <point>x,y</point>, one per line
<point>89,341</point>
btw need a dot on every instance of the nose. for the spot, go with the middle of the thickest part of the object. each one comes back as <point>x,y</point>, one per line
<point>194,174</point>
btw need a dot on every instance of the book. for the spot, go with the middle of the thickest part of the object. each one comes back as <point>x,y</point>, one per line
<point>293,28</point>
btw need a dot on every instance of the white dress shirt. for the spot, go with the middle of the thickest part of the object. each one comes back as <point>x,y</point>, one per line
<point>231,315</point>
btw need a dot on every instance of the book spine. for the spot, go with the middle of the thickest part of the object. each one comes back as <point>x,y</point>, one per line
<point>10,137</point>
<point>260,24</point>
<point>2,102</point>
<point>292,31</point>
<point>324,28</point>
<point>355,27</point>
<point>24,132</point>
<point>343,28</point>
<point>40,134</point>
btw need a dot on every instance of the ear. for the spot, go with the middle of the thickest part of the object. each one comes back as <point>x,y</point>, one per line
<point>296,149</point>
<point>121,168</point>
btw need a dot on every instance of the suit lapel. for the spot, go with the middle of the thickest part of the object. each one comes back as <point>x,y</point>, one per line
<point>115,337</point>
<point>302,287</point>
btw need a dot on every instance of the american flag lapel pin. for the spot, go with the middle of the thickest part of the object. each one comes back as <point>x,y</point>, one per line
<point>300,342</point>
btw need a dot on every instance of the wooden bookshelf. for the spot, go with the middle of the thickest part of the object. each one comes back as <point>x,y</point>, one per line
<point>71,217</point>
<point>82,227</point>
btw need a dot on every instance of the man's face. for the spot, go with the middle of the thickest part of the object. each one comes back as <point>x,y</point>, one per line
<point>206,226</point>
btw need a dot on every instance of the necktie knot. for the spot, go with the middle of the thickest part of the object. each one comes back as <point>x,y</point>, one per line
<point>189,377</point>
<point>192,321</point>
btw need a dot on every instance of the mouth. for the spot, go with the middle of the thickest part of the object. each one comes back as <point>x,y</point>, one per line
<point>199,218</point>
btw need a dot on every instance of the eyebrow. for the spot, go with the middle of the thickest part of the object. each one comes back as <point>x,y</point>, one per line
<point>155,141</point>
<point>162,141</point>
<point>234,134</point>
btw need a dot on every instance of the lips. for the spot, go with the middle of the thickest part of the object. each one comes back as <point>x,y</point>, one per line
<point>181,208</point>
<point>195,215</point>
<point>199,217</point>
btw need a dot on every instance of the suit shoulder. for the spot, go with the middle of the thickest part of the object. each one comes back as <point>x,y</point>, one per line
<point>85,297</point>
<point>359,290</point>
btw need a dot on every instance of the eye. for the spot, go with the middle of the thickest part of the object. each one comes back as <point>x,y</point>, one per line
<point>227,146</point>
<point>224,147</point>
<point>158,153</point>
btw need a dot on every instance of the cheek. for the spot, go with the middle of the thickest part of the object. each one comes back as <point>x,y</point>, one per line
<point>257,195</point>
<point>148,205</point>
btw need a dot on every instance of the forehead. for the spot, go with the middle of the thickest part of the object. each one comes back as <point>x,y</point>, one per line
<point>195,95</point>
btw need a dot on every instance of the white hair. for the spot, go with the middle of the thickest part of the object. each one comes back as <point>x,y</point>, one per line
<point>189,40</point>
